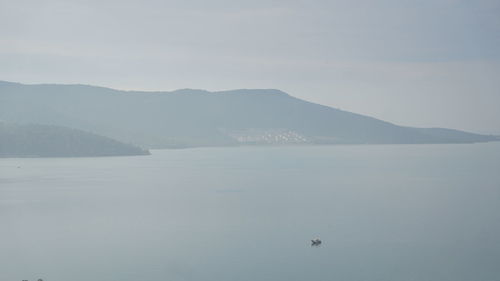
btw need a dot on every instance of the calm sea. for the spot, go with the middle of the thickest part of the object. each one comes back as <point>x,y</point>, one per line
<point>384,212</point>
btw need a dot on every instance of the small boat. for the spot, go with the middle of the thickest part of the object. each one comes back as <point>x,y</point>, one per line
<point>316,242</point>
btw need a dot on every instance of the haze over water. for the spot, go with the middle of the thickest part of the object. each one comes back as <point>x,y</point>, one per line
<point>384,212</point>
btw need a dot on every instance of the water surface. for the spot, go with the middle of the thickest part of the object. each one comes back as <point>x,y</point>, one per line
<point>386,212</point>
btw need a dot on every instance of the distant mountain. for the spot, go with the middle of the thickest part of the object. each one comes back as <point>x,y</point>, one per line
<point>187,118</point>
<point>53,141</point>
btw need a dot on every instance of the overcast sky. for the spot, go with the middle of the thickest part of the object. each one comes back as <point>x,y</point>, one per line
<point>421,63</point>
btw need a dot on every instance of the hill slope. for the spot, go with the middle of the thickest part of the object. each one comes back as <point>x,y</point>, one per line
<point>187,118</point>
<point>52,141</point>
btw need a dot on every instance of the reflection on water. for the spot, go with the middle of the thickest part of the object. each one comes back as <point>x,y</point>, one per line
<point>404,212</point>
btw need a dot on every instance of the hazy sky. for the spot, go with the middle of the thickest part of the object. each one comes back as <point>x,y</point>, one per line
<point>419,63</point>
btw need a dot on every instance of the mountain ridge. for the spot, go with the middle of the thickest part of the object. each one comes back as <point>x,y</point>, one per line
<point>190,118</point>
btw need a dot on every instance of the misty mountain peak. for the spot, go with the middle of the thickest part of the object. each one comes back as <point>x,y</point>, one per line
<point>190,91</point>
<point>255,91</point>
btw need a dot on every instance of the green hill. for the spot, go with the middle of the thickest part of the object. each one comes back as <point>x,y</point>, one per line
<point>53,141</point>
